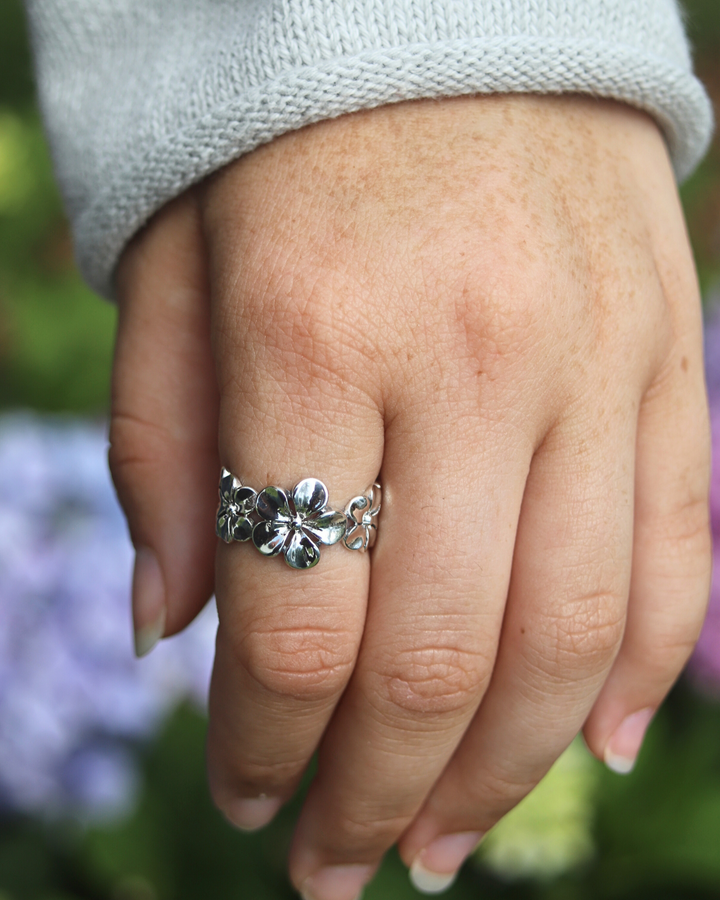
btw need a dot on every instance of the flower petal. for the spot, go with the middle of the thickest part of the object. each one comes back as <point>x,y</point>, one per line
<point>329,527</point>
<point>228,484</point>
<point>245,498</point>
<point>310,496</point>
<point>302,552</point>
<point>355,539</point>
<point>242,529</point>
<point>355,507</point>
<point>224,526</point>
<point>272,503</point>
<point>269,537</point>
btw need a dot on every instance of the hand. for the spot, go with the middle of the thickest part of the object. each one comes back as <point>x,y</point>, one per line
<point>492,301</point>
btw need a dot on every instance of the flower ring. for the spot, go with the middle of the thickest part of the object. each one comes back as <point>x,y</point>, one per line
<point>297,524</point>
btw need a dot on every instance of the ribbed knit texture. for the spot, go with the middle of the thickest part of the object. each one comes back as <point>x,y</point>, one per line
<point>142,98</point>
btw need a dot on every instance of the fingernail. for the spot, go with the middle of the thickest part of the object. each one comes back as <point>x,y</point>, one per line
<point>148,600</point>
<point>337,883</point>
<point>435,868</point>
<point>249,814</point>
<point>624,744</point>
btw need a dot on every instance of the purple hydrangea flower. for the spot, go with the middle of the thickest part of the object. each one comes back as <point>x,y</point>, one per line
<point>73,699</point>
<point>704,665</point>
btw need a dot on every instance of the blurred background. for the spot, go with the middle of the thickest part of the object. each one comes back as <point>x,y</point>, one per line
<point>102,783</point>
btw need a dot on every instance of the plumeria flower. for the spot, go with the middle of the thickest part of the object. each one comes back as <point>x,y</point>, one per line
<point>237,503</point>
<point>297,524</point>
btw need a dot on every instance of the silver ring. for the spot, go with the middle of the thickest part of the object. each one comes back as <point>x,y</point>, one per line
<point>295,523</point>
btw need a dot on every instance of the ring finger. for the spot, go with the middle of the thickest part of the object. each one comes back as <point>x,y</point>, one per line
<point>562,629</point>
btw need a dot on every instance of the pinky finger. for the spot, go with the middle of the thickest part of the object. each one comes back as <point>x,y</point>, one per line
<point>671,565</point>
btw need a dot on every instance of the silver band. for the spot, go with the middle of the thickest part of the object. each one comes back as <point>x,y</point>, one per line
<point>295,522</point>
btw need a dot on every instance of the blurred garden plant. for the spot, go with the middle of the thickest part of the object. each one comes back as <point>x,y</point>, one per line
<point>55,336</point>
<point>73,700</point>
<point>704,668</point>
<point>77,711</point>
<point>88,734</point>
<point>551,832</point>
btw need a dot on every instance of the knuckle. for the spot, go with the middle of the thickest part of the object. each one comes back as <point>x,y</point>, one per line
<point>236,768</point>
<point>299,320</point>
<point>371,833</point>
<point>498,326</point>
<point>298,663</point>
<point>313,358</point>
<point>663,661</point>
<point>434,679</point>
<point>664,648</point>
<point>580,637</point>
<point>305,335</point>
<point>499,792</point>
<point>685,531</point>
<point>134,445</point>
<point>488,794</point>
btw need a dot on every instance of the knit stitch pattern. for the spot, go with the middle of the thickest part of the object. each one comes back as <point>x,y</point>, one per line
<point>143,98</point>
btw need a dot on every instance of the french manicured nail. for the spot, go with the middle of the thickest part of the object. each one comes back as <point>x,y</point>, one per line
<point>148,599</point>
<point>435,868</point>
<point>624,744</point>
<point>337,883</point>
<point>249,814</point>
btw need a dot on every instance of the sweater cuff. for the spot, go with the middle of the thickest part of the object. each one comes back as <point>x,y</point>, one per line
<point>127,139</point>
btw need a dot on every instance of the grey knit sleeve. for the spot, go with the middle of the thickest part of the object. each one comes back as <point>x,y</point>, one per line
<point>141,98</point>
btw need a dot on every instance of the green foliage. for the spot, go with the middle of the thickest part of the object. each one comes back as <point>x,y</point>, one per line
<point>655,833</point>
<point>661,827</point>
<point>56,336</point>
<point>175,846</point>
<point>16,85</point>
<point>550,831</point>
<point>702,20</point>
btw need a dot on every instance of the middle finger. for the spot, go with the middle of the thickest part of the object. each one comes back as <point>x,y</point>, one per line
<point>439,582</point>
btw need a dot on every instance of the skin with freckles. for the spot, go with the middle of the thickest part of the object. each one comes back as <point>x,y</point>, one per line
<point>491,302</point>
